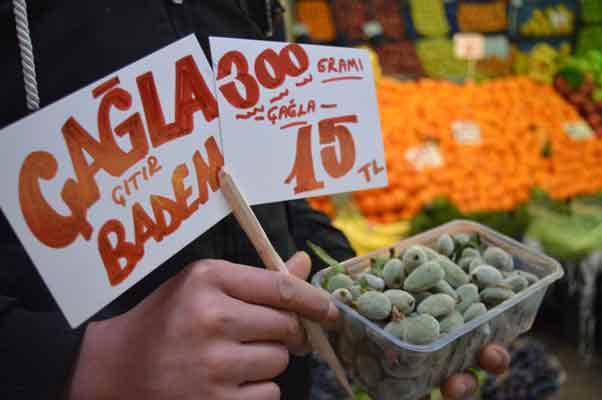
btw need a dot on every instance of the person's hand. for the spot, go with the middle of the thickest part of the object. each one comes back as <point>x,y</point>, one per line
<point>215,331</point>
<point>493,358</point>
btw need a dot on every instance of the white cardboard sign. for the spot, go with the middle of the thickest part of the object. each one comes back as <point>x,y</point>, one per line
<point>297,120</point>
<point>103,186</point>
<point>469,46</point>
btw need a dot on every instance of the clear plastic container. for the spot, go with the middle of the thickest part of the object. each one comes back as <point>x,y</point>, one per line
<point>388,368</point>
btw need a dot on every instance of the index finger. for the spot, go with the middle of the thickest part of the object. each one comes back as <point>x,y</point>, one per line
<point>278,290</point>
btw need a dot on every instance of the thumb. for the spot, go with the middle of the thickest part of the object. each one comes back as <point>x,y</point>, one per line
<point>299,265</point>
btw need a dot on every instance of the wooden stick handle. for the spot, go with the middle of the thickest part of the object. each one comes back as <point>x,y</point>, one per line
<point>272,260</point>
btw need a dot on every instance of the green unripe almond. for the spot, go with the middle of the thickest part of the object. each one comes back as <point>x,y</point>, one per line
<point>339,281</point>
<point>404,301</point>
<point>468,295</point>
<point>396,328</point>
<point>464,262</point>
<point>474,311</point>
<point>438,305</point>
<point>421,329</point>
<point>475,263</point>
<point>451,323</point>
<point>493,296</point>
<point>343,295</point>
<point>393,273</point>
<point>454,275</point>
<point>531,278</point>
<point>430,253</point>
<point>374,305</point>
<point>372,281</point>
<point>470,252</point>
<point>444,287</point>
<point>516,282</point>
<point>356,291</point>
<point>498,258</point>
<point>445,245</point>
<point>486,276</point>
<point>413,257</point>
<point>424,277</point>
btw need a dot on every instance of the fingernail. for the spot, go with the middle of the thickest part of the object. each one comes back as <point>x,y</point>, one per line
<point>301,255</point>
<point>333,313</point>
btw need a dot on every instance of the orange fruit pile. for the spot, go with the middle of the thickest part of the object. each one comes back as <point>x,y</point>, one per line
<point>523,145</point>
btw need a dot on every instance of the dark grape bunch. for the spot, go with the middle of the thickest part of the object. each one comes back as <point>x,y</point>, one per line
<point>532,375</point>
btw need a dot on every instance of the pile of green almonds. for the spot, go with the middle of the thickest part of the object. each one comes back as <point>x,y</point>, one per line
<point>424,293</point>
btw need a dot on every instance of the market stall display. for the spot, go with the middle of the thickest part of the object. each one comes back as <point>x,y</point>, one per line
<point>580,82</point>
<point>350,19</point>
<point>550,20</point>
<point>399,58</point>
<point>482,16</point>
<point>387,13</point>
<point>316,17</point>
<point>429,18</point>
<point>521,125</point>
<point>591,11</point>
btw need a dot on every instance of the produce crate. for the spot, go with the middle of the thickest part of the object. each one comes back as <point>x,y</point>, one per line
<point>544,18</point>
<point>589,38</point>
<point>483,17</point>
<point>317,16</point>
<point>399,58</point>
<point>438,60</point>
<point>429,17</point>
<point>591,11</point>
<point>350,16</point>
<point>387,13</point>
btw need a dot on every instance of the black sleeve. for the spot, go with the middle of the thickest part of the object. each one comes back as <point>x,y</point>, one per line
<point>37,346</point>
<point>37,351</point>
<point>310,224</point>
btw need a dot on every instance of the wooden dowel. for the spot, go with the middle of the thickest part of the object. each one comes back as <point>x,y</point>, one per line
<point>272,260</point>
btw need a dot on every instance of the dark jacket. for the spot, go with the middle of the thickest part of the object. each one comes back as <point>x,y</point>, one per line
<point>76,43</point>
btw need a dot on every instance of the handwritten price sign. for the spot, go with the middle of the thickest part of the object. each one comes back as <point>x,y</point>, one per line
<point>297,121</point>
<point>93,183</point>
<point>106,184</point>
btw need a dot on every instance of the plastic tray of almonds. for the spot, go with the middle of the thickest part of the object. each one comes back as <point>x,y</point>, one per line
<point>419,311</point>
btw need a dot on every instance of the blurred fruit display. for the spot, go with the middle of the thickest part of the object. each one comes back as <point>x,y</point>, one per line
<point>350,18</point>
<point>438,61</point>
<point>544,61</point>
<point>589,38</point>
<point>317,18</point>
<point>482,16</point>
<point>551,20</point>
<point>387,13</point>
<point>429,18</point>
<point>580,82</point>
<point>591,11</point>
<point>399,58</point>
<point>523,144</point>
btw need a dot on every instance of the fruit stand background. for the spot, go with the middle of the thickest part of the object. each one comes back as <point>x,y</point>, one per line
<point>520,149</point>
